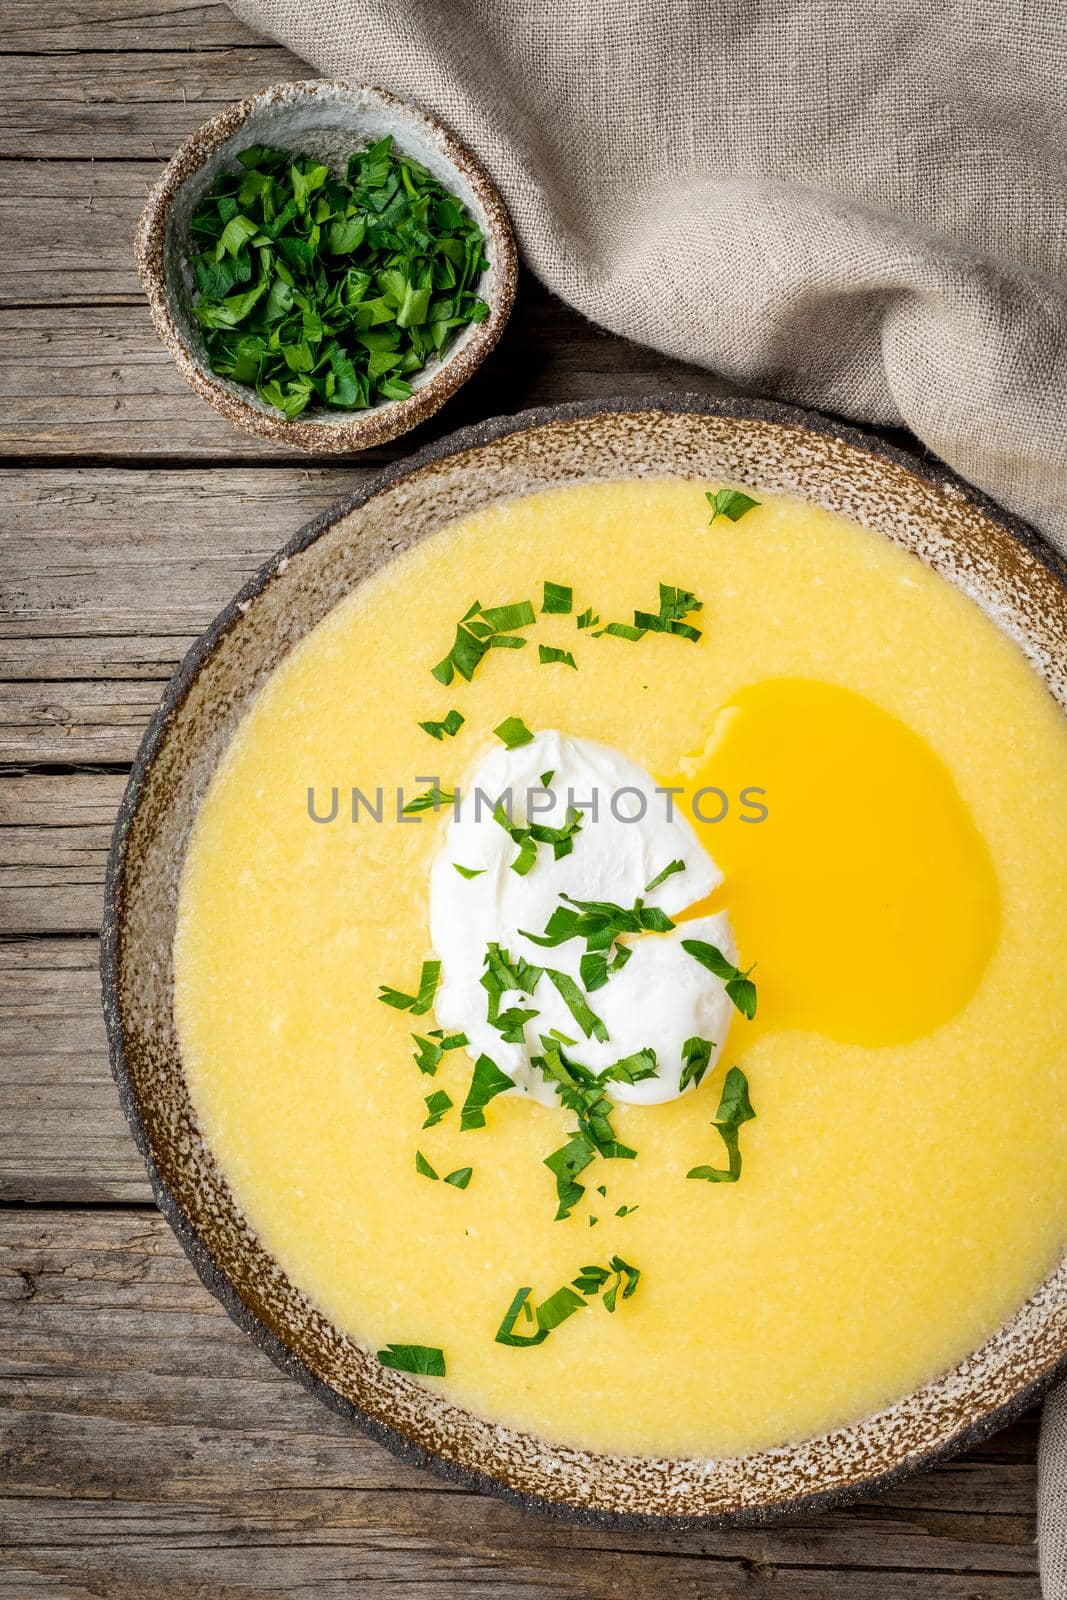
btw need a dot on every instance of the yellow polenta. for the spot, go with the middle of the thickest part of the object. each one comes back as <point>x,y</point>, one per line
<point>905,1180</point>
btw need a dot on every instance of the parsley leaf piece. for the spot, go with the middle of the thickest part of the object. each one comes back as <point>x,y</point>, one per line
<point>421,1358</point>
<point>513,732</point>
<point>739,985</point>
<point>588,618</point>
<point>735,1108</point>
<point>423,1167</point>
<point>438,1105</point>
<point>502,974</point>
<point>596,969</point>
<point>558,598</point>
<point>627,1211</point>
<point>417,1004</point>
<point>479,630</point>
<point>558,1307</point>
<point>626,1278</point>
<point>546,778</point>
<point>674,606</point>
<point>432,800</point>
<point>620,630</point>
<point>632,1068</point>
<point>530,835</point>
<point>460,1178</point>
<point>729,503</point>
<point>511,1024</point>
<point>565,1165</point>
<point>661,877</point>
<point>696,1057</point>
<point>506,1334</point>
<point>548,654</point>
<point>505,619</point>
<point>451,725</point>
<point>577,1004</point>
<point>468,872</point>
<point>430,1051</point>
<point>487,1082</point>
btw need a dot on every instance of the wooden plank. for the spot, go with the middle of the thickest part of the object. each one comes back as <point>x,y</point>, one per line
<point>62,1134</point>
<point>109,577</point>
<point>150,1450</point>
<point>56,833</point>
<point>116,25</point>
<point>121,104</point>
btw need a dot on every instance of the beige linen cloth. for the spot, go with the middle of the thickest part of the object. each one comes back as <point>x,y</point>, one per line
<point>851,205</point>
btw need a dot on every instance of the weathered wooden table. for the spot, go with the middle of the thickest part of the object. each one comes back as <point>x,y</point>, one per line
<point>147,1449</point>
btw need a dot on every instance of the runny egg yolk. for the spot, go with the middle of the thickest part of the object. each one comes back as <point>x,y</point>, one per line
<point>865,895</point>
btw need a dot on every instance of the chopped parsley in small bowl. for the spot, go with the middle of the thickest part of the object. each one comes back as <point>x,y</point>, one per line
<point>326,265</point>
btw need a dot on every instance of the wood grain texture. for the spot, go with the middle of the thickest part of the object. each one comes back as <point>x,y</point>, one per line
<point>149,1449</point>
<point>93,381</point>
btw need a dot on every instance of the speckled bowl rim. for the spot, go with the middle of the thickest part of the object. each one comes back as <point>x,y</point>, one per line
<point>365,429</point>
<point>971,1432</point>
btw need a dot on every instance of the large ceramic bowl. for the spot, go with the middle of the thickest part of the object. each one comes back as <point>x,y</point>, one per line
<point>1001,564</point>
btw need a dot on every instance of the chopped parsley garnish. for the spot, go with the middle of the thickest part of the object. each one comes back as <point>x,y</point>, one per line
<point>627,1211</point>
<point>479,631</point>
<point>565,1165</point>
<point>729,503</point>
<point>430,1051</point>
<point>460,1178</point>
<point>600,923</point>
<point>488,1081</point>
<point>617,1280</point>
<point>320,289</point>
<point>618,1274</point>
<point>621,630</point>
<point>510,1024</point>
<point>577,1004</point>
<point>417,1004</point>
<point>529,835</point>
<point>546,778</point>
<point>633,1068</point>
<point>588,618</point>
<point>661,877</point>
<point>735,1108</point>
<point>696,1056</point>
<point>558,598</point>
<point>438,1105</point>
<point>582,1091</point>
<point>502,974</point>
<point>513,732</point>
<point>596,969</point>
<point>739,985</point>
<point>420,1358</point>
<point>548,654</point>
<point>468,872</point>
<point>423,1167</point>
<point>674,606</point>
<point>451,725</point>
<point>432,800</point>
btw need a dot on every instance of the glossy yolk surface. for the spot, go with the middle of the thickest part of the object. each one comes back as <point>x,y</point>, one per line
<point>853,868</point>
<point>904,1184</point>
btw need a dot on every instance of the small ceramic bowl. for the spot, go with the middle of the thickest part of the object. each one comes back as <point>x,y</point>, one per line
<point>328,120</point>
